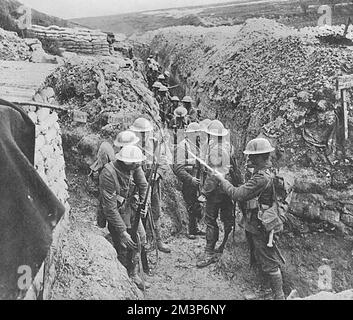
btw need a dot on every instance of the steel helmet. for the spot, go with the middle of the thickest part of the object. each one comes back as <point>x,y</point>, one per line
<point>258,146</point>
<point>216,128</point>
<point>187,99</point>
<point>180,112</point>
<point>161,77</point>
<point>163,89</point>
<point>167,74</point>
<point>193,127</point>
<point>157,84</point>
<point>130,154</point>
<point>175,98</point>
<point>204,124</point>
<point>141,125</point>
<point>126,138</point>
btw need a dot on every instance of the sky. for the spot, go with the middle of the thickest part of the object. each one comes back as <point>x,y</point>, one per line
<point>88,8</point>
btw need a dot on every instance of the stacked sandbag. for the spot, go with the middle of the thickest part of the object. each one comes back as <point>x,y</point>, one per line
<point>49,156</point>
<point>78,40</point>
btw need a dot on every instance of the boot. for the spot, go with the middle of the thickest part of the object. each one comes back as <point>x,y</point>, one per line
<point>142,285</point>
<point>206,259</point>
<point>276,284</point>
<point>193,229</point>
<point>163,247</point>
<point>160,245</point>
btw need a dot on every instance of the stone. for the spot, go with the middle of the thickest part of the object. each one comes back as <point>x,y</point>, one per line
<point>330,216</point>
<point>347,219</point>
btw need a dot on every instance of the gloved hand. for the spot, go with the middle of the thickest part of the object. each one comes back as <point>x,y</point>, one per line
<point>195,182</point>
<point>127,242</point>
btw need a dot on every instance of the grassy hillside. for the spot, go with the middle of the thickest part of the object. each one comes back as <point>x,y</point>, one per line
<point>8,17</point>
<point>290,12</point>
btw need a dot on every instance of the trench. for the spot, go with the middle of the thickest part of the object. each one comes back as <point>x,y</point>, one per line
<point>307,244</point>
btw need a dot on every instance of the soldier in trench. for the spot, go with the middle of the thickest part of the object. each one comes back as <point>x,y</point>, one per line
<point>188,170</point>
<point>258,190</point>
<point>164,105</point>
<point>154,147</point>
<point>117,184</point>
<point>192,112</point>
<point>180,120</point>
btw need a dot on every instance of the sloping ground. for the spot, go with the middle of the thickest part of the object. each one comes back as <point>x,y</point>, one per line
<point>20,80</point>
<point>88,266</point>
<point>223,14</point>
<point>12,47</point>
<point>8,16</point>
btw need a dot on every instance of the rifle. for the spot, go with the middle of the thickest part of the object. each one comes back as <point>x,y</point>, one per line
<point>198,165</point>
<point>142,205</point>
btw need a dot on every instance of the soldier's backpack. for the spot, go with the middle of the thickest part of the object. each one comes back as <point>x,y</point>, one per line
<point>273,217</point>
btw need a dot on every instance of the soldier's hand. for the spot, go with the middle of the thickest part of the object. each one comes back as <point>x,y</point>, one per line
<point>195,182</point>
<point>127,242</point>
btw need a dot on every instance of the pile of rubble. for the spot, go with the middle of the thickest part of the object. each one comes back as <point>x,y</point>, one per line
<point>79,40</point>
<point>327,30</point>
<point>277,81</point>
<point>324,295</point>
<point>108,89</point>
<point>12,47</point>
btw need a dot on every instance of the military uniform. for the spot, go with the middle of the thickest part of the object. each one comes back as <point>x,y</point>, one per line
<point>259,185</point>
<point>120,203</point>
<point>186,169</point>
<point>218,202</point>
<point>164,109</point>
<point>162,167</point>
<point>179,123</point>
<point>192,115</point>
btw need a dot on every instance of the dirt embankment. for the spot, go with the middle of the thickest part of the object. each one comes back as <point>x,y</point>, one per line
<point>266,79</point>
